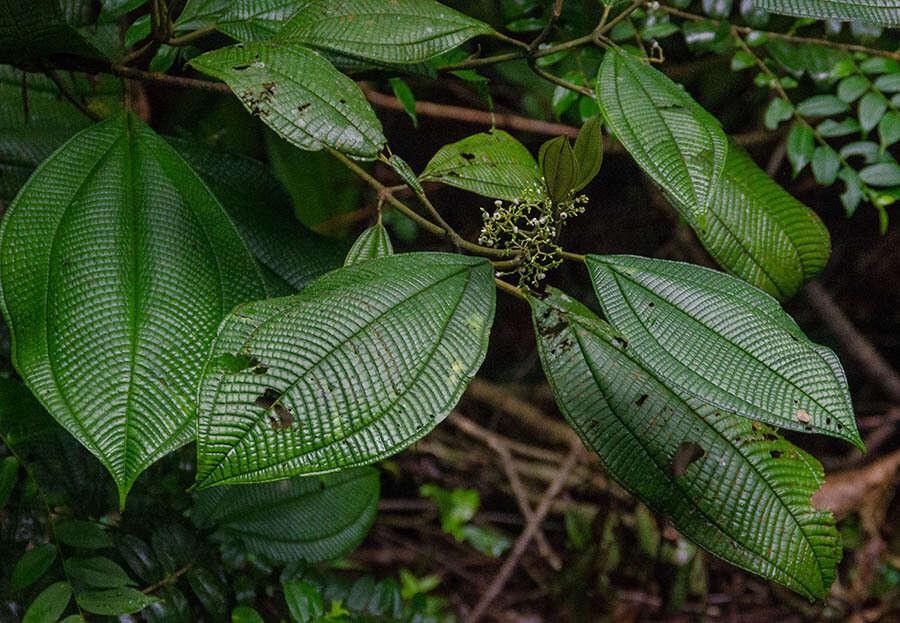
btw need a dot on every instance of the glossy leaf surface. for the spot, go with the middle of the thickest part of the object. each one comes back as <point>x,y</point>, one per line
<point>733,486</point>
<point>713,337</point>
<point>882,12</point>
<point>117,265</point>
<point>114,601</point>
<point>399,31</point>
<point>364,361</point>
<point>298,94</point>
<point>372,244</point>
<point>493,164</point>
<point>671,137</point>
<point>311,518</point>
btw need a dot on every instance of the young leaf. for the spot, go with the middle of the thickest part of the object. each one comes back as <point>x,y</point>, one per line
<point>801,144</point>
<point>560,167</point>
<point>245,614</point>
<point>734,487</point>
<point>111,312</point>
<point>493,164</point>
<point>311,518</point>
<point>589,151</point>
<point>403,93</point>
<point>291,254</point>
<point>304,600</point>
<point>372,244</point>
<point>32,566</point>
<point>711,336</point>
<point>399,31</point>
<point>114,601</point>
<point>882,12</point>
<point>413,330</point>
<point>673,139</point>
<point>871,109</point>
<point>759,232</point>
<point>825,165</point>
<point>98,572</point>
<point>49,605</point>
<point>406,173</point>
<point>298,94</point>
<point>822,106</point>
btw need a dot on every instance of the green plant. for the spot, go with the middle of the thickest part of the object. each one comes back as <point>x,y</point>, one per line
<point>159,292</point>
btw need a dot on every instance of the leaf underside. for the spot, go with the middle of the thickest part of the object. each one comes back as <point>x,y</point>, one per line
<point>116,266</point>
<point>364,361</point>
<point>400,31</point>
<point>712,336</point>
<point>493,164</point>
<point>298,94</point>
<point>743,493</point>
<point>882,12</point>
<point>671,137</point>
<point>311,518</point>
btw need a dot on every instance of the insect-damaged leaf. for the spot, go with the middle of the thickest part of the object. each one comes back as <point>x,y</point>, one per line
<point>116,266</point>
<point>399,31</point>
<point>673,139</point>
<point>733,486</point>
<point>309,518</point>
<point>298,94</point>
<point>713,337</point>
<point>363,362</point>
<point>493,164</point>
<point>882,12</point>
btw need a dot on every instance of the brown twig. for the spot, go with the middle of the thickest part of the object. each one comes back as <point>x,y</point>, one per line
<point>854,342</point>
<point>509,468</point>
<point>531,528</point>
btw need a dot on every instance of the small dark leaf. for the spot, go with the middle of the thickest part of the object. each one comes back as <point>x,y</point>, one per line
<point>210,590</point>
<point>32,565</point>
<point>83,534</point>
<point>49,605</point>
<point>114,601</point>
<point>9,472</point>
<point>99,572</point>
<point>557,161</point>
<point>589,151</point>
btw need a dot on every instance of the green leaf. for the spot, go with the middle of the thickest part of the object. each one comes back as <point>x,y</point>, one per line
<point>801,144</point>
<point>45,30</point>
<point>403,93</point>
<point>304,601</point>
<point>853,193</point>
<point>255,20</point>
<point>83,534</point>
<point>311,518</point>
<point>493,164</point>
<point>456,507</point>
<point>114,601</point>
<point>822,106</point>
<point>671,137</point>
<point>210,590</point>
<point>406,174</point>
<point>173,607</point>
<point>882,12</point>
<point>883,174</point>
<point>852,88</point>
<point>372,244</point>
<point>871,108</point>
<point>49,605</point>
<point>560,167</point>
<point>32,566</point>
<point>889,83</point>
<point>98,572</point>
<point>9,473</point>
<point>825,165</point>
<point>413,328</point>
<point>291,254</point>
<point>589,151</point>
<point>89,275</point>
<point>734,487</point>
<point>713,337</point>
<point>245,614</point>
<point>889,129</point>
<point>831,128</point>
<point>759,232</point>
<point>777,111</point>
<point>399,31</point>
<point>298,94</point>
<point>139,557</point>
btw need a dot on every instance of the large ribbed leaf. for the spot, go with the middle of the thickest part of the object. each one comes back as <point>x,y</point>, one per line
<point>387,31</point>
<point>883,12</point>
<point>757,231</point>
<point>493,164</point>
<point>291,254</point>
<point>363,362</point>
<point>733,486</point>
<point>309,518</point>
<point>45,29</point>
<point>244,20</point>
<point>673,139</point>
<point>713,337</point>
<point>298,94</point>
<point>116,266</point>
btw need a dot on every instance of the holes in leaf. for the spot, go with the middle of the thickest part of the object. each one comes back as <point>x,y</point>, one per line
<point>687,453</point>
<point>241,67</point>
<point>640,400</point>
<point>240,363</point>
<point>775,454</point>
<point>282,418</point>
<point>622,341</point>
<point>468,156</point>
